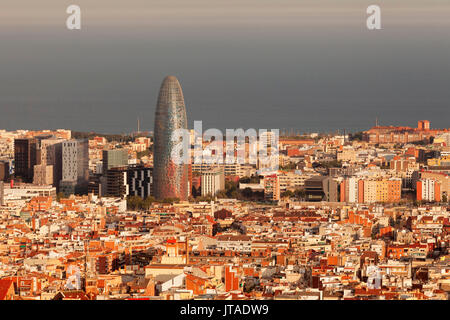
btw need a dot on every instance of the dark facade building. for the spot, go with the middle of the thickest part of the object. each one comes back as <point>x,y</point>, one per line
<point>129,181</point>
<point>25,158</point>
<point>314,188</point>
<point>322,188</point>
<point>139,180</point>
<point>170,178</point>
<point>425,155</point>
<point>95,185</point>
<point>116,182</point>
<point>4,170</point>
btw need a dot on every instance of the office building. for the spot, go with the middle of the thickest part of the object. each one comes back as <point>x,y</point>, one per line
<point>114,158</point>
<point>139,180</point>
<point>75,167</point>
<point>212,181</point>
<point>25,158</point>
<point>170,178</point>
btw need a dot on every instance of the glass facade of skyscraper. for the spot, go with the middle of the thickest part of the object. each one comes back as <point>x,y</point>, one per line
<point>170,179</point>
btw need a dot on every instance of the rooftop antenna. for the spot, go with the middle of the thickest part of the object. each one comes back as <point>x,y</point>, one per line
<point>376,122</point>
<point>138,127</point>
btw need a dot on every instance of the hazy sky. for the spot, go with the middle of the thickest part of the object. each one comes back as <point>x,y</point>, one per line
<point>310,65</point>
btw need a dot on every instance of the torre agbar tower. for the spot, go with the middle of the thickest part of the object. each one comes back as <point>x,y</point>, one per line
<point>170,180</point>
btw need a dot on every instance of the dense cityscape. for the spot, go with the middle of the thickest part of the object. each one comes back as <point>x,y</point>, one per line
<point>345,216</point>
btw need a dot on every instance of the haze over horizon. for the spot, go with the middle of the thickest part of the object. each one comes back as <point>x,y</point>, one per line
<point>249,63</point>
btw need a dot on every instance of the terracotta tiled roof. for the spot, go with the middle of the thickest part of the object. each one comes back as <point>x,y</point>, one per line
<point>5,286</point>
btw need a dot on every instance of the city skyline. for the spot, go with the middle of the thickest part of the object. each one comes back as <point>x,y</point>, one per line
<point>315,164</point>
<point>293,64</point>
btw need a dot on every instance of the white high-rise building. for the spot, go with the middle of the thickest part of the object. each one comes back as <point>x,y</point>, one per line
<point>75,166</point>
<point>353,190</point>
<point>428,190</point>
<point>212,181</point>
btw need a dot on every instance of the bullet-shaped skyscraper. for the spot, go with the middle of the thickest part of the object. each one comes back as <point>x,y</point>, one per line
<point>170,180</point>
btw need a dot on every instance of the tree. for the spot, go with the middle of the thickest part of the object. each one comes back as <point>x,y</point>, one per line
<point>252,179</point>
<point>134,202</point>
<point>247,193</point>
<point>249,285</point>
<point>170,200</point>
<point>231,188</point>
<point>206,198</point>
<point>300,193</point>
<point>391,222</point>
<point>234,194</point>
<point>244,180</point>
<point>221,194</point>
<point>375,231</point>
<point>287,194</point>
<point>356,136</point>
<point>147,203</point>
<point>398,221</point>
